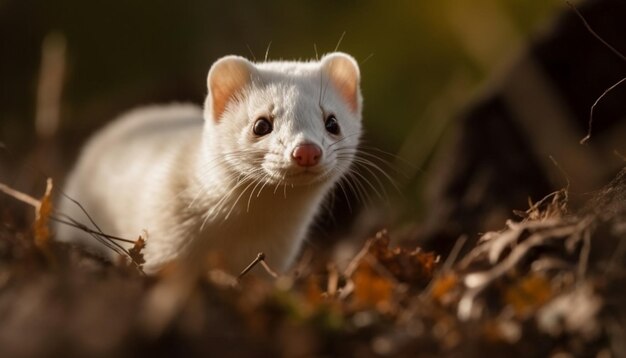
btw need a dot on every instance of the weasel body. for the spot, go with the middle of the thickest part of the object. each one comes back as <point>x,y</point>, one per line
<point>246,174</point>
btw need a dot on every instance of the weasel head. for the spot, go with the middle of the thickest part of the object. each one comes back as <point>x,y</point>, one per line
<point>294,123</point>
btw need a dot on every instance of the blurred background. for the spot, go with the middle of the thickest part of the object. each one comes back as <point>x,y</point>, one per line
<point>426,66</point>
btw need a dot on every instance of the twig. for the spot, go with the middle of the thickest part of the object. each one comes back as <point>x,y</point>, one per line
<point>104,239</point>
<point>82,208</point>
<point>25,198</point>
<point>98,235</point>
<point>520,251</point>
<point>50,85</point>
<point>259,259</point>
<point>595,34</point>
<point>456,249</point>
<point>588,136</point>
<point>85,228</point>
<point>447,265</point>
<point>476,282</point>
<point>584,254</point>
<point>610,47</point>
<point>352,266</point>
<point>269,269</point>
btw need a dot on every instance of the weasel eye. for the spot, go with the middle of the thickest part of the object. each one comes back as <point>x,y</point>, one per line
<point>331,124</point>
<point>262,126</point>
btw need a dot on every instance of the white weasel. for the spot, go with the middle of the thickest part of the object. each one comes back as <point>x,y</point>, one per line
<point>248,178</point>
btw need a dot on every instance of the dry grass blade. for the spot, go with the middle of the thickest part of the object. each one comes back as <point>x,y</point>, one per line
<point>594,33</point>
<point>43,209</point>
<point>593,107</point>
<point>610,47</point>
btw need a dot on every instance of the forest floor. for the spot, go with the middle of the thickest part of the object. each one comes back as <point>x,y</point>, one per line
<point>550,283</point>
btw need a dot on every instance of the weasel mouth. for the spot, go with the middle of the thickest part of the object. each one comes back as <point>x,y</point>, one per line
<point>303,173</point>
<point>301,177</point>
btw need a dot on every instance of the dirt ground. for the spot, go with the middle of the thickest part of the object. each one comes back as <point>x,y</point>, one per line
<point>550,283</point>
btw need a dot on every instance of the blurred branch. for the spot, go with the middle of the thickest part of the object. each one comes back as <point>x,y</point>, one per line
<point>25,198</point>
<point>50,88</point>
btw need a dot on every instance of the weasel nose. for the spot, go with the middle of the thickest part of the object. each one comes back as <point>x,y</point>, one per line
<point>307,155</point>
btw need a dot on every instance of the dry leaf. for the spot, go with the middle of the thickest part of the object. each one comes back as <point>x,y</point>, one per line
<point>371,289</point>
<point>312,292</point>
<point>443,286</point>
<point>135,252</point>
<point>377,270</point>
<point>410,266</point>
<point>43,210</point>
<point>42,216</point>
<point>500,330</point>
<point>528,294</point>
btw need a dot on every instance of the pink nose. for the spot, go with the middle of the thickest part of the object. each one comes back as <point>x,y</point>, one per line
<point>307,155</point>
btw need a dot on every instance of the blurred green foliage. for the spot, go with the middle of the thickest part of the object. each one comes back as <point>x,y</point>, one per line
<point>421,60</point>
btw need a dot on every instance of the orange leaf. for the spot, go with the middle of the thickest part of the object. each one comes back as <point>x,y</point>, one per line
<point>312,292</point>
<point>409,266</point>
<point>371,289</point>
<point>528,294</point>
<point>42,216</point>
<point>443,286</point>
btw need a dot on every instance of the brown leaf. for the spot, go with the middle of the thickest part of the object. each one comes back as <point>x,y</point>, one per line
<point>42,216</point>
<point>410,266</point>
<point>312,292</point>
<point>135,252</point>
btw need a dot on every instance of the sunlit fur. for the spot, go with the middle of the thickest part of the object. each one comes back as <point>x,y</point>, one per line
<point>196,184</point>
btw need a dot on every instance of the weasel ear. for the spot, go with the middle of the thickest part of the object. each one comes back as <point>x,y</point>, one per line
<point>343,72</point>
<point>227,77</point>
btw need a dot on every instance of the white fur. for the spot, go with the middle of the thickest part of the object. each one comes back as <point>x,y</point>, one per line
<point>196,185</point>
